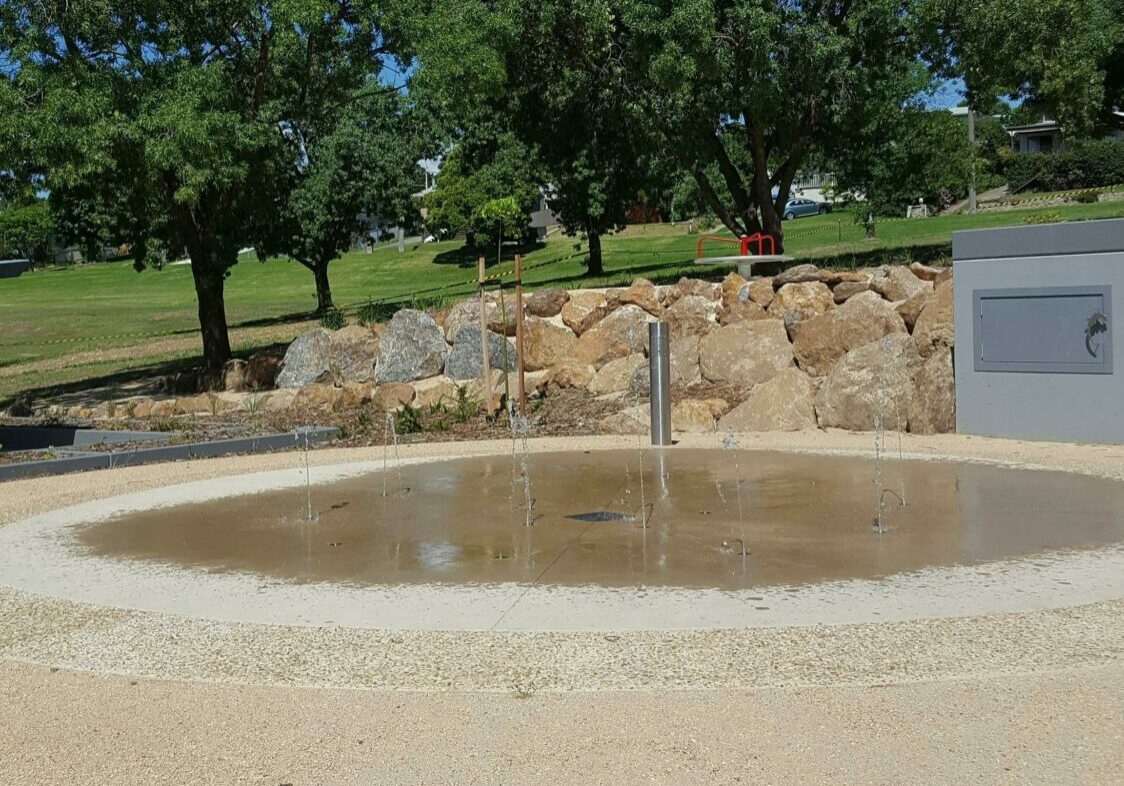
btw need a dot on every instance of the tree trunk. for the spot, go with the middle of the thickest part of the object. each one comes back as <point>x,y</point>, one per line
<point>212,313</point>
<point>595,267</point>
<point>772,224</point>
<point>323,288</point>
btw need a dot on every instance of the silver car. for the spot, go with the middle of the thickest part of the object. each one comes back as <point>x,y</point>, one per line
<point>795,208</point>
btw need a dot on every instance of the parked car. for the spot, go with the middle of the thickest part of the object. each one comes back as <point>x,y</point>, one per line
<point>795,208</point>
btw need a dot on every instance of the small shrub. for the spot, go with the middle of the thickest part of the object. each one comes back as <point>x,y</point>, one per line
<point>429,302</point>
<point>465,407</point>
<point>1042,218</point>
<point>407,420</point>
<point>371,313</point>
<point>333,319</point>
<point>1088,198</point>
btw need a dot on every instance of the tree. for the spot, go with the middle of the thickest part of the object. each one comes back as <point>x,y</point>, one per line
<point>25,230</point>
<point>1065,56</point>
<point>361,160</point>
<point>565,84</point>
<point>913,155</point>
<point>743,90</point>
<point>176,113</point>
<point>482,167</point>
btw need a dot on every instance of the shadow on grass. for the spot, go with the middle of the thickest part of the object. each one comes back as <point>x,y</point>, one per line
<point>465,256</point>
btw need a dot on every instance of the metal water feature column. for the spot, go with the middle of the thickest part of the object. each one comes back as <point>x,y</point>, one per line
<point>659,358</point>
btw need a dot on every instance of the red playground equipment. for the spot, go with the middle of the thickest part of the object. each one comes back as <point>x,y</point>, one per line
<point>759,238</point>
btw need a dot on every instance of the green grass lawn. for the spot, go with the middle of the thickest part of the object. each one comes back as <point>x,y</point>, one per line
<point>62,311</point>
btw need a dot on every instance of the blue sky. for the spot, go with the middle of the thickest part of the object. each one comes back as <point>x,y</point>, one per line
<point>950,93</point>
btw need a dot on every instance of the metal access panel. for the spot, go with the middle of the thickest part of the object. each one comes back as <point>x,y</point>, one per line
<point>1045,330</point>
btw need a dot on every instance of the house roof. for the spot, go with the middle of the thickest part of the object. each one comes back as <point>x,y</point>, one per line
<point>1045,124</point>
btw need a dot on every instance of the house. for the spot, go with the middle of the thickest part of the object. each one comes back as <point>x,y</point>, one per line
<point>1047,135</point>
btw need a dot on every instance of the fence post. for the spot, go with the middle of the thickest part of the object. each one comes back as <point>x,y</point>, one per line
<point>485,364</point>
<point>519,333</point>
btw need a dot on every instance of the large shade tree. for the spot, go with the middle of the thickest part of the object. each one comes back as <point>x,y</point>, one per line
<point>171,115</point>
<point>744,90</point>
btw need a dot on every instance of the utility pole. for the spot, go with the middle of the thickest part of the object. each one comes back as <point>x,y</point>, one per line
<point>972,152</point>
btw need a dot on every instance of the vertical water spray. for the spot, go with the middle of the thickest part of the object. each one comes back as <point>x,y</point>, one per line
<point>730,442</point>
<point>297,433</point>
<point>528,502</point>
<point>391,429</point>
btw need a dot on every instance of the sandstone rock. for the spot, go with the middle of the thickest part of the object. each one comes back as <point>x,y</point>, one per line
<point>621,333</point>
<point>464,361</point>
<point>784,403</point>
<point>545,344</point>
<point>691,315</point>
<point>545,302</point>
<point>944,275</point>
<point>693,286</point>
<point>899,284</point>
<point>411,347</point>
<point>731,289</point>
<point>434,390</point>
<point>924,272</point>
<point>352,352</point>
<point>318,396</point>
<point>467,312</point>
<point>278,400</point>
<point>166,408</point>
<point>808,299</point>
<point>261,371</point>
<point>876,377</point>
<point>643,294</point>
<point>142,407</point>
<point>684,362</point>
<point>911,309</point>
<point>760,291</point>
<point>822,340</point>
<point>745,353</point>
<point>354,394</point>
<point>616,375</point>
<point>845,290</point>
<point>741,312</point>
<point>583,310</point>
<point>798,274</point>
<point>306,360</point>
<point>832,277</point>
<point>934,324</point>
<point>696,416</point>
<point>932,408</point>
<point>234,375</point>
<point>391,395</point>
<point>633,420</point>
<point>571,374</point>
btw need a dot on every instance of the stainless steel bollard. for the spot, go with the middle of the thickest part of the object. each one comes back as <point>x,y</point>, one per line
<point>659,358</point>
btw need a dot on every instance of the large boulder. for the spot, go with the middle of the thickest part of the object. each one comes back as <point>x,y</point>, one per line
<point>798,274</point>
<point>822,340</point>
<point>641,293</point>
<point>731,289</point>
<point>924,272</point>
<point>845,290</point>
<point>435,391</point>
<point>739,311</point>
<point>633,420</point>
<point>411,347</point>
<point>545,344</point>
<point>932,408</point>
<point>807,299</point>
<point>621,333</point>
<point>545,302</point>
<point>934,324</point>
<point>392,395</point>
<point>691,315</point>
<point>876,378</point>
<point>570,375</point>
<point>306,360</point>
<point>583,310</point>
<point>464,361</point>
<point>760,291</point>
<point>683,363</point>
<point>784,403</point>
<point>500,317</point>
<point>234,375</point>
<point>696,416</point>
<point>616,375</point>
<point>262,371</point>
<point>686,287</point>
<point>352,352</point>
<point>318,396</point>
<point>745,353</point>
<point>911,309</point>
<point>899,284</point>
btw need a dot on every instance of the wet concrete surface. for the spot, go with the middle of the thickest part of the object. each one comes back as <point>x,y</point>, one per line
<point>803,519</point>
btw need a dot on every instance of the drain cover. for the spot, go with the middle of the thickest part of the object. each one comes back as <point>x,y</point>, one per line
<point>600,515</point>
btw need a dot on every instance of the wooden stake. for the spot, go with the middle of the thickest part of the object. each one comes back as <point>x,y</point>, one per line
<point>484,337</point>
<point>519,333</point>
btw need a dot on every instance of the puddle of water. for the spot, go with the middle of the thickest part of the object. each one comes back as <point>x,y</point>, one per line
<point>807,519</point>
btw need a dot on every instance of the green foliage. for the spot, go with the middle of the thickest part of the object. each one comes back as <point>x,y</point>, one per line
<point>921,155</point>
<point>466,406</point>
<point>333,319</point>
<point>1065,56</point>
<point>25,231</point>
<point>1082,165</point>
<point>407,420</point>
<point>372,313</point>
<point>475,173</point>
